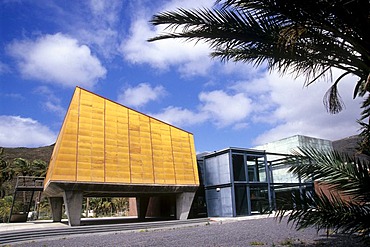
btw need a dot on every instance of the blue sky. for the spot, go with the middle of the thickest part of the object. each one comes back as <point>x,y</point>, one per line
<point>50,47</point>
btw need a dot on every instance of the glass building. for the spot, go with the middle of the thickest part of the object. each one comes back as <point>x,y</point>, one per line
<point>240,182</point>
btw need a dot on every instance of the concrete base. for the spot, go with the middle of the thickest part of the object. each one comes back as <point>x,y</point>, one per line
<point>132,211</point>
<point>142,206</point>
<point>73,204</point>
<point>183,205</point>
<point>56,208</point>
<point>165,198</point>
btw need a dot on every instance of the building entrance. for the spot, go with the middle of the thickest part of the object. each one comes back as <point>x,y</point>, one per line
<point>251,185</point>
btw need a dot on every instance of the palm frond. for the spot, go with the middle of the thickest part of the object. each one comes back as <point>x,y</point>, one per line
<point>339,171</point>
<point>329,212</point>
<point>307,37</point>
<point>365,138</point>
<point>332,100</point>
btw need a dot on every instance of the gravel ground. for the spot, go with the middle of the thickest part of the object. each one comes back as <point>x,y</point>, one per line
<point>256,232</point>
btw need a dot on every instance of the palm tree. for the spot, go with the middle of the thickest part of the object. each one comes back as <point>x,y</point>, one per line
<point>346,207</point>
<point>102,206</point>
<point>304,37</point>
<point>39,168</point>
<point>23,167</point>
<point>121,205</point>
<point>6,175</point>
<point>309,38</point>
<point>5,206</point>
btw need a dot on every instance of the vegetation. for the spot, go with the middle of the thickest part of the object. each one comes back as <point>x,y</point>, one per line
<point>23,167</point>
<point>346,208</point>
<point>12,166</point>
<point>256,243</point>
<point>103,207</point>
<point>43,210</point>
<point>9,170</point>
<point>5,175</point>
<point>307,38</point>
<point>5,206</point>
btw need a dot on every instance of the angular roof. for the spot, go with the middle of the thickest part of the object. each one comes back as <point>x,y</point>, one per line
<point>104,142</point>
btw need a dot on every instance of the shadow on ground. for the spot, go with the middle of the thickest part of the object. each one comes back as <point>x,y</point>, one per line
<point>335,240</point>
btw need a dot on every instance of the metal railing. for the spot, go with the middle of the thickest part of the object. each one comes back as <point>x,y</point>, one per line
<point>29,182</point>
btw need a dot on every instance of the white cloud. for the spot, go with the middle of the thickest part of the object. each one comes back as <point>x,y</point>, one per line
<point>225,109</point>
<point>189,4</point>
<point>217,107</point>
<point>51,103</point>
<point>103,40</point>
<point>55,107</point>
<point>57,59</point>
<point>189,57</point>
<point>180,117</point>
<point>14,96</point>
<point>294,109</point>
<point>16,131</point>
<point>105,12</point>
<point>164,53</point>
<point>4,68</point>
<point>100,27</point>
<point>140,95</point>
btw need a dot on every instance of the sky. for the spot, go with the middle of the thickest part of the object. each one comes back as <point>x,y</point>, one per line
<point>47,48</point>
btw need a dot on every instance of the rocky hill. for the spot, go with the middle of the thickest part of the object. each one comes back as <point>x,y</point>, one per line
<point>40,153</point>
<point>347,145</point>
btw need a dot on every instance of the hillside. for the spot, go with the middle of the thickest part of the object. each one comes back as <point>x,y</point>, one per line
<point>347,145</point>
<point>40,153</point>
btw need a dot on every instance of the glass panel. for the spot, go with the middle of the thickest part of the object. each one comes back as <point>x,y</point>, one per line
<point>281,174</point>
<point>259,199</point>
<point>256,169</point>
<point>241,200</point>
<point>238,167</point>
<point>261,169</point>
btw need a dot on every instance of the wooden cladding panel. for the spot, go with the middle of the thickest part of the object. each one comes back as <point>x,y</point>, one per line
<point>102,141</point>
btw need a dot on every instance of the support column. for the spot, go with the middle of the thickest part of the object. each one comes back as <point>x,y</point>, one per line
<point>73,204</point>
<point>142,206</point>
<point>56,208</point>
<point>183,204</point>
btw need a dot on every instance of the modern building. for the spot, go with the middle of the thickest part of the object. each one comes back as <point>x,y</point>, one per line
<point>239,182</point>
<point>290,144</point>
<point>105,149</point>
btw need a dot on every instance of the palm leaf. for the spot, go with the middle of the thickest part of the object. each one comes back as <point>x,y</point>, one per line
<point>329,212</point>
<point>339,171</point>
<point>343,174</point>
<point>306,37</point>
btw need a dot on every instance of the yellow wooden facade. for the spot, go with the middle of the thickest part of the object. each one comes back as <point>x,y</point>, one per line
<point>104,142</point>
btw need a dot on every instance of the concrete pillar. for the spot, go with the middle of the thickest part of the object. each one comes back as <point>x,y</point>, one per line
<point>132,211</point>
<point>73,204</point>
<point>183,204</point>
<point>142,206</point>
<point>56,208</point>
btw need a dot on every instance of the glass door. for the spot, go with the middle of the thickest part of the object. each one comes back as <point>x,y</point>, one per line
<point>256,168</point>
